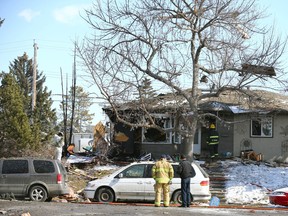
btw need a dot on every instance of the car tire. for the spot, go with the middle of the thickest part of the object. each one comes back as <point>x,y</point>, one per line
<point>177,198</point>
<point>49,199</point>
<point>105,195</point>
<point>38,193</point>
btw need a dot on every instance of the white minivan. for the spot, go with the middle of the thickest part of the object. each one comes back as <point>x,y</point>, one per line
<point>135,182</point>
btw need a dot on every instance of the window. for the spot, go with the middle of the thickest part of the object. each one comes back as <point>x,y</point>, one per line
<point>166,122</point>
<point>150,166</point>
<point>176,137</point>
<point>149,170</point>
<point>175,168</point>
<point>41,166</point>
<point>15,167</point>
<point>136,171</point>
<point>261,127</point>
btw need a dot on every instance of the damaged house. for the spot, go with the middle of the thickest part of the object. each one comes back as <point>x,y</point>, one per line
<point>252,120</point>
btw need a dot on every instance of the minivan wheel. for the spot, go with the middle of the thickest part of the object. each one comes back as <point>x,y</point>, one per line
<point>177,198</point>
<point>38,193</point>
<point>48,199</point>
<point>105,195</point>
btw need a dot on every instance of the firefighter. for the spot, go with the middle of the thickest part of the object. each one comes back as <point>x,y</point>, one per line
<point>162,173</point>
<point>213,141</point>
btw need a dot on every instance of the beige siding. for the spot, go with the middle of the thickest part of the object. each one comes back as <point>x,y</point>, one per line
<point>268,147</point>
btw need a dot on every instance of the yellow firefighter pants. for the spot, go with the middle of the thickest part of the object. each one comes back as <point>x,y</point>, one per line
<point>159,188</point>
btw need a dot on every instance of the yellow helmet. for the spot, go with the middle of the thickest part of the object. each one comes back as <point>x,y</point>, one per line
<point>212,126</point>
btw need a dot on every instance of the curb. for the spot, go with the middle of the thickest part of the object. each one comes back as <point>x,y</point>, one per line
<point>252,208</point>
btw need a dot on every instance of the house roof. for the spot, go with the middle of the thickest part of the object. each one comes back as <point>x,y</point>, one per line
<point>248,101</point>
<point>230,101</point>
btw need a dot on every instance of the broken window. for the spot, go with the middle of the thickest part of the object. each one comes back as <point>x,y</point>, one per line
<point>154,135</point>
<point>261,127</point>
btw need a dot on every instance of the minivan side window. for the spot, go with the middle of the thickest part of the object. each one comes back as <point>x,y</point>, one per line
<point>175,168</point>
<point>149,171</point>
<point>136,171</point>
<point>15,167</point>
<point>42,166</point>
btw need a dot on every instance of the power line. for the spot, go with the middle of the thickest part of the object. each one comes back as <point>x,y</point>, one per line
<point>13,42</point>
<point>12,49</point>
<point>95,97</point>
<point>6,47</point>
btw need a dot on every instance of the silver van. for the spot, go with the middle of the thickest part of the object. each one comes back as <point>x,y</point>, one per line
<point>38,179</point>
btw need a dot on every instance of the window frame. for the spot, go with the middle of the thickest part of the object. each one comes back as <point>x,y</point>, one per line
<point>263,122</point>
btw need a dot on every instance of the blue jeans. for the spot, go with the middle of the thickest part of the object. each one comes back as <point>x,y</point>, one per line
<point>185,192</point>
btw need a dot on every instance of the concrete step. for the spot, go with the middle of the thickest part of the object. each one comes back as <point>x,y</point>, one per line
<point>217,180</point>
<point>217,187</point>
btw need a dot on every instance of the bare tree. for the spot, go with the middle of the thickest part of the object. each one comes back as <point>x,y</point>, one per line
<point>218,45</point>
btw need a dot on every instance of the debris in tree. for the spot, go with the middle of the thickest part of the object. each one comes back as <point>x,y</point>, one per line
<point>100,145</point>
<point>257,69</point>
<point>120,137</point>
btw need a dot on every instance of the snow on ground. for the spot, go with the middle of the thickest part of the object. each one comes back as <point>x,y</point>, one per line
<point>251,184</point>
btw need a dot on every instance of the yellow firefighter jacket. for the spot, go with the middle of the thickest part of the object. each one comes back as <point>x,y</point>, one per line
<point>162,171</point>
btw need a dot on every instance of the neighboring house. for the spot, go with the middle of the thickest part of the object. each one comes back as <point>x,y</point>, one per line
<point>256,120</point>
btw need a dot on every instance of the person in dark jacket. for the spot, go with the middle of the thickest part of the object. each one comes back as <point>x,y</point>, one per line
<point>186,172</point>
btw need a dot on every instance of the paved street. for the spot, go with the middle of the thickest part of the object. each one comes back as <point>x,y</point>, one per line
<point>71,209</point>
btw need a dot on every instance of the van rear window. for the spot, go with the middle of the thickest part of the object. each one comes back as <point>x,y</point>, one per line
<point>15,167</point>
<point>42,166</point>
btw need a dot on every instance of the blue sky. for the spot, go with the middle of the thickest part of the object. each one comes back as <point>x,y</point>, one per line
<point>56,24</point>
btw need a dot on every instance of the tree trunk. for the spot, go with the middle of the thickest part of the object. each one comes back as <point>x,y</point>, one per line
<point>188,143</point>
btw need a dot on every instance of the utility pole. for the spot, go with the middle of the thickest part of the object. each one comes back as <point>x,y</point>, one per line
<point>73,95</point>
<point>34,76</point>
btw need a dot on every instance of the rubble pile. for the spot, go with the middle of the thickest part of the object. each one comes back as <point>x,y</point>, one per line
<point>80,174</point>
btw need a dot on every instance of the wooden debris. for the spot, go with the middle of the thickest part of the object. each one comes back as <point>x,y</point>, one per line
<point>82,173</point>
<point>251,155</point>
